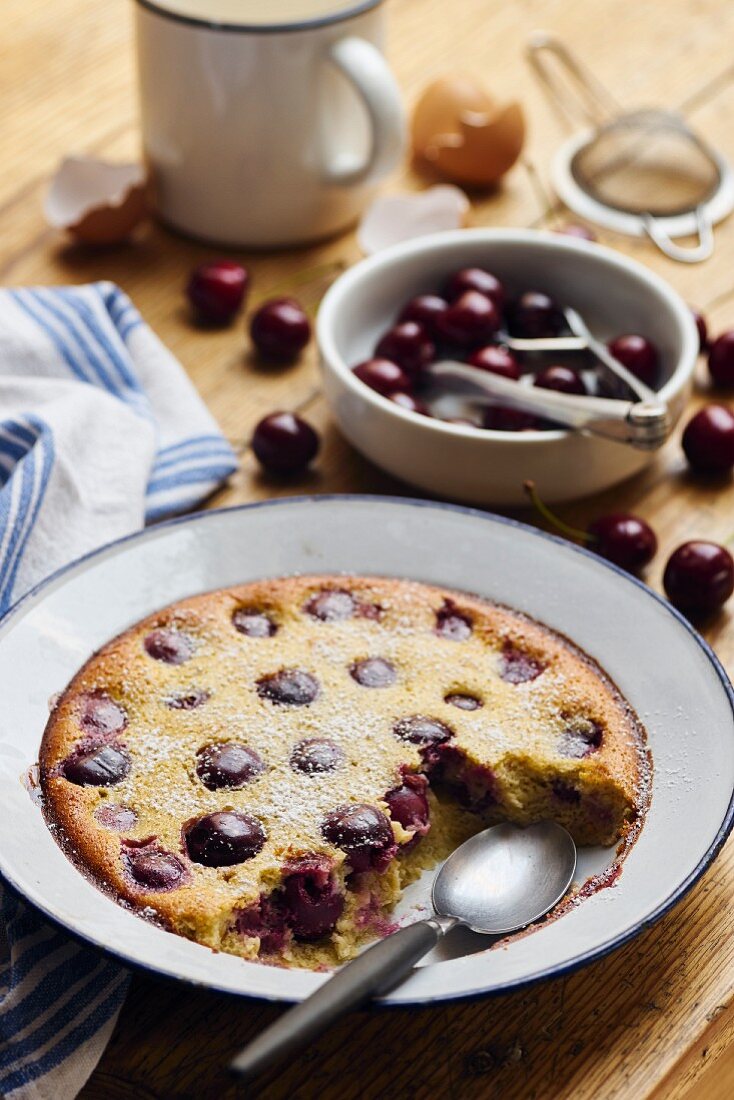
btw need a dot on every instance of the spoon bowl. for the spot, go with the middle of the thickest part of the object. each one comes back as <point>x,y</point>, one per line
<point>505,878</point>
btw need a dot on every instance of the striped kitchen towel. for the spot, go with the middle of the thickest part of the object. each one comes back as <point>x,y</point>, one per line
<point>100,432</point>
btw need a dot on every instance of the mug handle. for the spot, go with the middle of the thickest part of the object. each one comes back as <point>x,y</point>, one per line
<point>367,70</point>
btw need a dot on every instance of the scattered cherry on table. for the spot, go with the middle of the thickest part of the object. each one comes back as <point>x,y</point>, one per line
<point>699,578</point>
<point>708,440</point>
<point>721,360</point>
<point>216,291</point>
<point>280,329</point>
<point>284,443</point>
<point>624,539</point>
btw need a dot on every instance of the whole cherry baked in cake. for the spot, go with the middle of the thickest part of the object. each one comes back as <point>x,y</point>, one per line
<point>263,768</point>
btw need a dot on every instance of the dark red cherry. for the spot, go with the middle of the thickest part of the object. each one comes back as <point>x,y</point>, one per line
<point>624,539</point>
<point>408,804</point>
<point>420,730</point>
<point>517,666</point>
<point>721,360</point>
<point>374,672</point>
<point>580,741</point>
<point>100,715</point>
<point>452,623</point>
<point>476,278</point>
<point>117,818</point>
<point>638,355</point>
<point>383,376</point>
<point>152,868</point>
<point>534,315</point>
<point>708,440</point>
<point>253,623</point>
<point>188,700</point>
<point>580,232</point>
<point>169,646</point>
<point>312,899</point>
<point>217,290</point>
<point>227,765</point>
<point>561,379</point>
<point>316,755</point>
<point>332,605</point>
<point>425,311</point>
<point>280,329</point>
<point>501,418</point>
<point>409,345</point>
<point>497,360</point>
<point>224,839</point>
<point>284,443</point>
<point>699,577</point>
<point>702,328</point>
<point>463,701</point>
<point>289,687</point>
<point>102,766</point>
<point>412,404</point>
<point>364,833</point>
<point>471,320</point>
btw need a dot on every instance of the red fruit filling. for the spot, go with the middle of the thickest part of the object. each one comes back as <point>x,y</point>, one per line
<point>519,667</point>
<point>408,804</point>
<point>472,785</point>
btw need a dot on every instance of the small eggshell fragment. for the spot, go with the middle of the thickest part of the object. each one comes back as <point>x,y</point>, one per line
<point>97,201</point>
<point>395,218</point>
<point>460,132</point>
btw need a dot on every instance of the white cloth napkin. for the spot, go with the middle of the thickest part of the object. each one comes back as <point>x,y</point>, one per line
<point>100,432</point>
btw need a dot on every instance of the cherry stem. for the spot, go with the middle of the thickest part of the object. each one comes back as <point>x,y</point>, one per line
<point>303,278</point>
<point>551,517</point>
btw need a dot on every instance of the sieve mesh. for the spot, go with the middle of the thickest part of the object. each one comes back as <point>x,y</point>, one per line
<point>647,162</point>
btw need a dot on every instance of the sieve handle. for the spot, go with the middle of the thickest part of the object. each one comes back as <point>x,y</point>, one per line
<point>693,254</point>
<point>580,95</point>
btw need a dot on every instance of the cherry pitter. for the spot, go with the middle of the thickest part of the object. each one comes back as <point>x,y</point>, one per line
<point>623,409</point>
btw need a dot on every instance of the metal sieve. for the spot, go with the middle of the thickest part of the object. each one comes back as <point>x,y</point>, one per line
<point>639,172</point>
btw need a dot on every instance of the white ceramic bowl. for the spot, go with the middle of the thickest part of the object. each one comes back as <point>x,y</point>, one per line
<point>612,293</point>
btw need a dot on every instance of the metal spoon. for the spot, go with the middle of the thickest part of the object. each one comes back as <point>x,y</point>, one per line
<point>497,882</point>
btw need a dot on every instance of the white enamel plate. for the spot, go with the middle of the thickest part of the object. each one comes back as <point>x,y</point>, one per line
<point>661,665</point>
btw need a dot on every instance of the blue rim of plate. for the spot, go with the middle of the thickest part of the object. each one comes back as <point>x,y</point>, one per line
<point>566,968</point>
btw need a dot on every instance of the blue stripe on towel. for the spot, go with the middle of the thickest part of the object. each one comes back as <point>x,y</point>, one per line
<point>55,996</point>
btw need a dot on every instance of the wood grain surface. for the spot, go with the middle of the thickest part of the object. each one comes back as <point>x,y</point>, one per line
<point>653,1020</point>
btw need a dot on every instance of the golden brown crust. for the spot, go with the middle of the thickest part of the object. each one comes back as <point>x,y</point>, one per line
<point>515,738</point>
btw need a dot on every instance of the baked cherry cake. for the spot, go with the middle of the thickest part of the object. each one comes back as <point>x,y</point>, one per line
<point>262,769</point>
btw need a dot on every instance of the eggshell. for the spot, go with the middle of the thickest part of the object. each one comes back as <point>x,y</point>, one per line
<point>97,201</point>
<point>395,218</point>
<point>459,131</point>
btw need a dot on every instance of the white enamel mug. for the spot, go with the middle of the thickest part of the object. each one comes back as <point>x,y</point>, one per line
<point>262,135</point>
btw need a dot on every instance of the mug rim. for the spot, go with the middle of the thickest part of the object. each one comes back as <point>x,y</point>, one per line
<point>357,8</point>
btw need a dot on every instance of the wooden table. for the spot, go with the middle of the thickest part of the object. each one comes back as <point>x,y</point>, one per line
<point>650,1020</point>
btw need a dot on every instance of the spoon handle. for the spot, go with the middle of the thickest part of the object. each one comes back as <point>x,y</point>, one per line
<point>373,972</point>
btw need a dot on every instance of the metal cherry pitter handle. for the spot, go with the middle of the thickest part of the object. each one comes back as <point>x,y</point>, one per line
<point>645,423</point>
